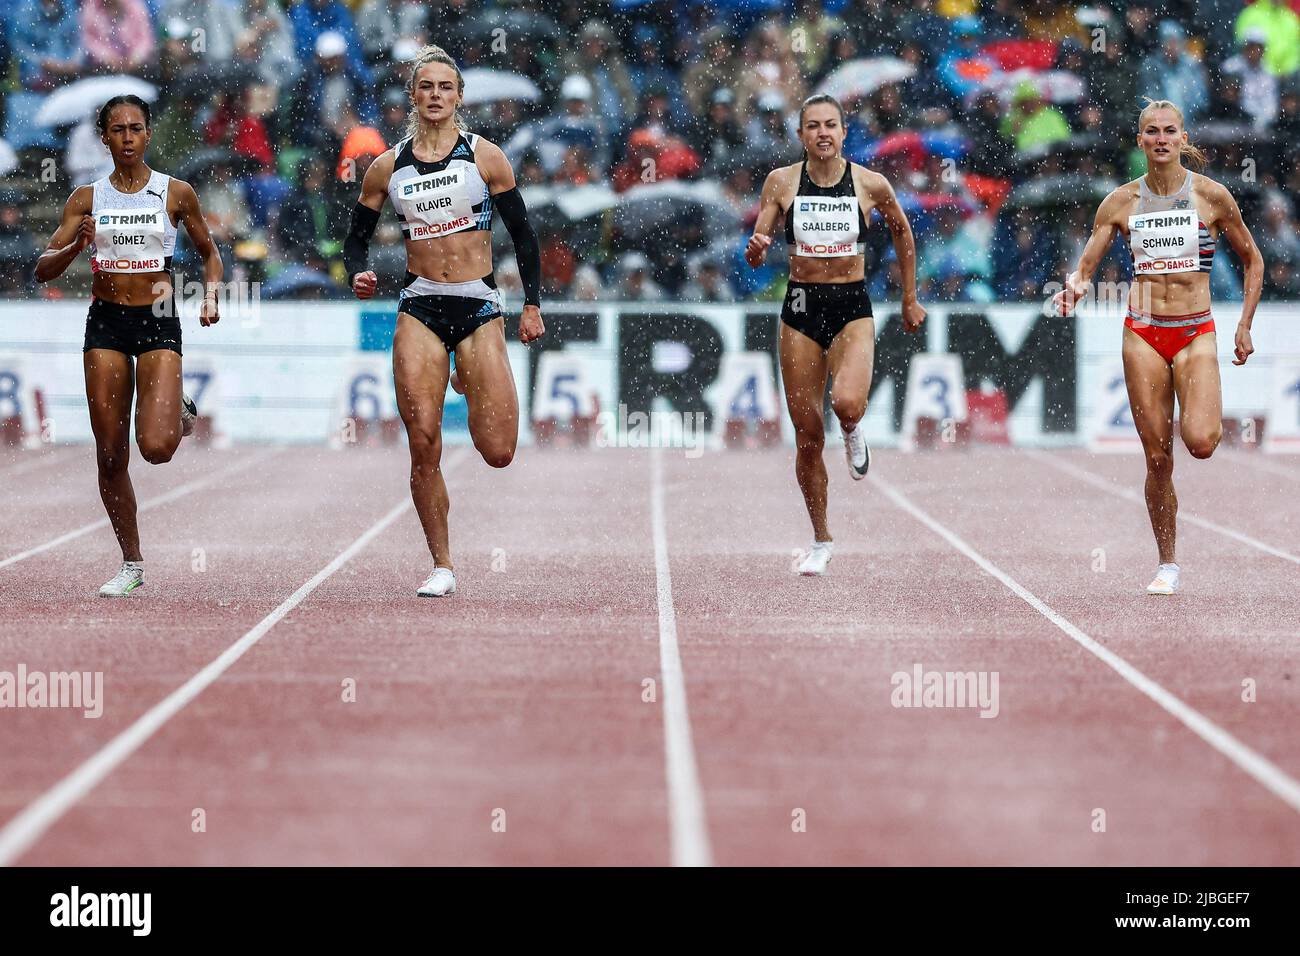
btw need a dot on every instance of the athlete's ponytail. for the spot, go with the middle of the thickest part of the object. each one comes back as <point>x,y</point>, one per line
<point>432,54</point>
<point>1198,158</point>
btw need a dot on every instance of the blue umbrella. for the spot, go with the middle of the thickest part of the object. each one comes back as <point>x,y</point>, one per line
<point>295,280</point>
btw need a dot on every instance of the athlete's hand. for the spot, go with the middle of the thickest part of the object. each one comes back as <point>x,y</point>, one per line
<point>85,232</point>
<point>530,324</point>
<point>1063,302</point>
<point>756,249</point>
<point>1244,348</point>
<point>364,284</point>
<point>913,315</point>
<point>209,314</point>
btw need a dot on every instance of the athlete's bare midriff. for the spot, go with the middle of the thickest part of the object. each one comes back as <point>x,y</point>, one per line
<point>460,257</point>
<point>1182,293</point>
<point>812,268</point>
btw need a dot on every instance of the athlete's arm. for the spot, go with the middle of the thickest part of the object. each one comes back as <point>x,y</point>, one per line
<point>191,216</point>
<point>500,178</point>
<point>1104,228</point>
<point>1228,218</point>
<point>883,198</point>
<point>75,232</point>
<point>365,217</point>
<point>769,214</point>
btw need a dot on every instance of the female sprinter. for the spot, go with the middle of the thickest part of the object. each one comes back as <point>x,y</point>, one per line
<point>129,220</point>
<point>445,184</point>
<point>1171,217</point>
<point>827,326</point>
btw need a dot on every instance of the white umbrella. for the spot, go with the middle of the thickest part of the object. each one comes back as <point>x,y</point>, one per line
<point>489,86</point>
<point>859,78</point>
<point>8,158</point>
<point>76,101</point>
<point>1055,86</point>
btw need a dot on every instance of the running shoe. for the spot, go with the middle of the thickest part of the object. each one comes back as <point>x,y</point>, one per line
<point>128,579</point>
<point>189,414</point>
<point>441,583</point>
<point>817,559</point>
<point>857,452</point>
<point>1166,580</point>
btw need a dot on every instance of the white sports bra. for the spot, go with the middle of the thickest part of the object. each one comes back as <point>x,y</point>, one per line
<point>133,233</point>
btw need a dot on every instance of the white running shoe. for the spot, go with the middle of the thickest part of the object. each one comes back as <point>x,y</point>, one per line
<point>856,450</point>
<point>128,579</point>
<point>1166,581</point>
<point>441,583</point>
<point>817,559</point>
<point>189,413</point>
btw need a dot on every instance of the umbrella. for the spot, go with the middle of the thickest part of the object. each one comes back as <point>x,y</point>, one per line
<point>8,158</point>
<point>573,202</point>
<point>76,101</point>
<point>205,160</point>
<point>859,78</point>
<point>1227,134</point>
<point>1069,190</point>
<point>295,280</point>
<point>489,86</point>
<point>644,212</point>
<point>1082,144</point>
<point>206,79</point>
<point>1055,86</point>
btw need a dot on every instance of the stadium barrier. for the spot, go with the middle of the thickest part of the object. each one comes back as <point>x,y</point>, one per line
<point>638,373</point>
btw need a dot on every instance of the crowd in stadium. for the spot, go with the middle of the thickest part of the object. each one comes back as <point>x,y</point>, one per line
<point>642,131</point>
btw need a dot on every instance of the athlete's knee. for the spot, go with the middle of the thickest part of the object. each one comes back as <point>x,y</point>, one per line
<point>426,447</point>
<point>848,407</point>
<point>1160,464</point>
<point>1203,444</point>
<point>810,436</point>
<point>112,461</point>
<point>157,451</point>
<point>496,454</point>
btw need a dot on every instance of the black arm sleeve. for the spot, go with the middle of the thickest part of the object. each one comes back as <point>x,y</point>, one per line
<point>527,252</point>
<point>356,247</point>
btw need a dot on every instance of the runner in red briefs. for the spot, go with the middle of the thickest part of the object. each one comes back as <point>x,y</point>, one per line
<point>1171,217</point>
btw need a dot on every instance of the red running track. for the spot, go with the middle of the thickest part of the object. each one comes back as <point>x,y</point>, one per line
<point>509,725</point>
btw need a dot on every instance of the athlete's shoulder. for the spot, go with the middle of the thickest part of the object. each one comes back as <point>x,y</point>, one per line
<point>1119,199</point>
<point>784,175</point>
<point>873,181</point>
<point>483,147</point>
<point>1210,188</point>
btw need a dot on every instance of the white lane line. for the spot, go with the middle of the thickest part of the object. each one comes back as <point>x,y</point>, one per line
<point>20,833</point>
<point>178,492</point>
<point>1129,495</point>
<point>1265,772</point>
<point>33,460</point>
<point>688,829</point>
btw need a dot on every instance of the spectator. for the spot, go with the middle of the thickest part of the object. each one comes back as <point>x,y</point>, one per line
<point>313,19</point>
<point>18,250</point>
<point>964,68</point>
<point>220,25</point>
<point>1279,235</point>
<point>232,125</point>
<point>599,58</point>
<point>634,283</point>
<point>1112,82</point>
<point>771,132</point>
<point>1173,74</point>
<point>716,69</point>
<point>575,126</point>
<point>117,35</point>
<point>1032,121</point>
<point>707,283</point>
<point>381,23</point>
<point>268,43</point>
<point>394,108</point>
<point>1259,87</point>
<point>1226,106</point>
<point>86,157</point>
<point>312,217</point>
<point>717,137</point>
<point>1281,28</point>
<point>47,42</point>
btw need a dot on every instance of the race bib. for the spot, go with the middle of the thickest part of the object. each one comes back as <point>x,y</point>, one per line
<point>1165,242</point>
<point>826,226</point>
<point>129,240</point>
<point>436,204</point>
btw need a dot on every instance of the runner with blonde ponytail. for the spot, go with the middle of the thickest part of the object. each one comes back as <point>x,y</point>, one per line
<point>1171,218</point>
<point>445,183</point>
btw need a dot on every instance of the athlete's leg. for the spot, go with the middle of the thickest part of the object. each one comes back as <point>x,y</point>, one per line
<point>109,389</point>
<point>850,360</point>
<point>803,371</point>
<point>489,392</point>
<point>420,368</point>
<point>158,404</point>
<point>1151,397</point>
<point>1200,396</point>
